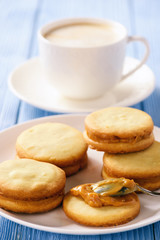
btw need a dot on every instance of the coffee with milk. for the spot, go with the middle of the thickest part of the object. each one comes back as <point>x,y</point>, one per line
<point>83,34</point>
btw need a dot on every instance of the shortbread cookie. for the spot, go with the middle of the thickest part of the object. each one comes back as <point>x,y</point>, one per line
<point>119,129</point>
<point>140,165</point>
<point>72,169</point>
<point>30,206</point>
<point>150,183</point>
<point>78,210</point>
<point>119,147</point>
<point>54,143</point>
<point>30,186</point>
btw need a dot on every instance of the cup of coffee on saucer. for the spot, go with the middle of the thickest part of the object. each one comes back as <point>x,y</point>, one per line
<point>83,58</point>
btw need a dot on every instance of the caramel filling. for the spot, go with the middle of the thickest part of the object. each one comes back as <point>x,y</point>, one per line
<point>15,198</point>
<point>106,197</point>
<point>117,139</point>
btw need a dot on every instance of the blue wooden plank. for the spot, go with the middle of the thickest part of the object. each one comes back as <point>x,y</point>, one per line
<point>151,105</point>
<point>16,25</point>
<point>28,112</point>
<point>11,231</point>
<point>149,28</point>
<point>144,233</point>
<point>157,230</point>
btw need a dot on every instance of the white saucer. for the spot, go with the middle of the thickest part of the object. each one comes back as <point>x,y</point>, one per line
<point>29,84</point>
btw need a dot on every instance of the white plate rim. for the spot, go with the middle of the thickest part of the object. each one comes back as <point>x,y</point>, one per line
<point>91,230</point>
<point>64,109</point>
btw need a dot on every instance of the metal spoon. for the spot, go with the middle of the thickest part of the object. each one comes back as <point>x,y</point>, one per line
<point>144,190</point>
<point>103,187</point>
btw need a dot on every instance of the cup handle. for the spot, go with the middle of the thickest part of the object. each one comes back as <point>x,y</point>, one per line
<point>145,42</point>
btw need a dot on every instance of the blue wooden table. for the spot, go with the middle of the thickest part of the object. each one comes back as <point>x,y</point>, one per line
<point>19,23</point>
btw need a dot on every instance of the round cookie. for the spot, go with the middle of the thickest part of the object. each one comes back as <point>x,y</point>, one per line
<point>122,122</point>
<point>119,129</point>
<point>28,179</point>
<point>30,186</point>
<point>121,147</point>
<point>139,165</point>
<point>36,206</point>
<point>54,143</point>
<point>70,170</point>
<point>150,183</point>
<point>79,211</point>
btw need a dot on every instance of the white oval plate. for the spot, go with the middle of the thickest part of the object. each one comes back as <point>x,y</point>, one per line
<point>55,220</point>
<point>29,83</point>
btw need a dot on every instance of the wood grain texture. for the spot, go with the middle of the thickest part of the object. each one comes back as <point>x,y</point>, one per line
<point>19,23</point>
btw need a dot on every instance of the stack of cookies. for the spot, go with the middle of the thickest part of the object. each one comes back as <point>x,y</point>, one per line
<point>143,166</point>
<point>46,153</point>
<point>30,186</point>
<point>126,137</point>
<point>55,143</point>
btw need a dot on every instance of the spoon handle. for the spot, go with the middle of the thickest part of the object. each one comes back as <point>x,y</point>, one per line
<point>152,193</point>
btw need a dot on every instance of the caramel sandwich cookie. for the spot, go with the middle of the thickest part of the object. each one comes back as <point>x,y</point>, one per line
<point>119,147</point>
<point>119,130</point>
<point>150,183</point>
<point>70,170</point>
<point>54,143</point>
<point>29,186</point>
<point>78,210</point>
<point>139,165</point>
<point>30,206</point>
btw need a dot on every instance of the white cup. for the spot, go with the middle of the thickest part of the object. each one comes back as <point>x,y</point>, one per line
<point>86,72</point>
